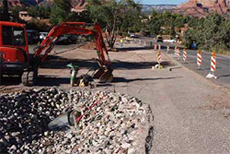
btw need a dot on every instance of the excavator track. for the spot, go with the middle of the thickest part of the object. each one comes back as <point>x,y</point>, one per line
<point>29,78</point>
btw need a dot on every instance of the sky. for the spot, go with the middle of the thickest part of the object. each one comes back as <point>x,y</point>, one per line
<point>161,1</point>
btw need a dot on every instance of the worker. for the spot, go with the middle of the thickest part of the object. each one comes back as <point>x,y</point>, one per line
<point>121,42</point>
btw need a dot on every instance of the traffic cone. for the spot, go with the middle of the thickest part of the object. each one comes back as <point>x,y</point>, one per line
<point>211,75</point>
<point>199,59</point>
<point>185,55</point>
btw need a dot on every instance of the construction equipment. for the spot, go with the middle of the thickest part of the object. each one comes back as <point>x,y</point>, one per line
<point>17,60</point>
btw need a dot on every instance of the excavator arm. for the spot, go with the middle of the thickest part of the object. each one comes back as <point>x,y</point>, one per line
<point>104,73</point>
<point>71,28</point>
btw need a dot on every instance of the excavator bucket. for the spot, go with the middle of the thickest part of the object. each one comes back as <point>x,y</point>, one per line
<point>104,75</point>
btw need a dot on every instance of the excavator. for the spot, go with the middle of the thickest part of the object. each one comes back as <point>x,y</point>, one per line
<point>16,60</point>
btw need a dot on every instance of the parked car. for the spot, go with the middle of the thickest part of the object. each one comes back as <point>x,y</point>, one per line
<point>133,35</point>
<point>67,39</point>
<point>170,41</point>
<point>33,36</point>
<point>42,36</point>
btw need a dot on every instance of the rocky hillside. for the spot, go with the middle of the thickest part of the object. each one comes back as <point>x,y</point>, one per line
<point>200,8</point>
<point>159,8</point>
<point>22,2</point>
<point>77,4</point>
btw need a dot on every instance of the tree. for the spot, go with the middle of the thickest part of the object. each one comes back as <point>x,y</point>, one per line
<point>113,15</point>
<point>4,14</point>
<point>39,11</point>
<point>210,33</point>
<point>15,13</point>
<point>154,24</point>
<point>60,11</point>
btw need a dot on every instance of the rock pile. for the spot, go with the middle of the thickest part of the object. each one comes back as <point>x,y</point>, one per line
<point>117,124</point>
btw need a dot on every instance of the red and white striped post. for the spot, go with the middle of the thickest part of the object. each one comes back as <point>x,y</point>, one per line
<point>168,48</point>
<point>211,75</point>
<point>199,59</point>
<point>177,52</point>
<point>155,46</point>
<point>185,55</point>
<point>159,58</point>
<point>159,47</point>
<point>213,62</point>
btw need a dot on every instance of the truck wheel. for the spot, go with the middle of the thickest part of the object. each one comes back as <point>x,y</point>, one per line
<point>29,78</point>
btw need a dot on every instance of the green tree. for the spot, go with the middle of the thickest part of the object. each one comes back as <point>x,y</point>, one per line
<point>115,16</point>
<point>60,11</point>
<point>15,13</point>
<point>211,33</point>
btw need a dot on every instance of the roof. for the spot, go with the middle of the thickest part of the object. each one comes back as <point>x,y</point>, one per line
<point>7,23</point>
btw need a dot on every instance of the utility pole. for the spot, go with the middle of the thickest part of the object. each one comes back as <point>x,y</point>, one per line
<point>5,16</point>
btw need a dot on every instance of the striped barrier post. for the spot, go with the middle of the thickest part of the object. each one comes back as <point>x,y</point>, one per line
<point>155,47</point>
<point>159,47</point>
<point>199,59</point>
<point>159,57</point>
<point>168,48</point>
<point>211,75</point>
<point>213,62</point>
<point>177,52</point>
<point>185,55</point>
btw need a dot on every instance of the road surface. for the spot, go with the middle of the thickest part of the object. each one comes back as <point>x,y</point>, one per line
<point>222,66</point>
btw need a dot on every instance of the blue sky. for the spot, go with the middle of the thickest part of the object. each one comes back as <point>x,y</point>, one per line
<point>161,1</point>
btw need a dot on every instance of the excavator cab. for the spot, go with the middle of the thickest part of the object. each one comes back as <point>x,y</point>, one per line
<point>13,48</point>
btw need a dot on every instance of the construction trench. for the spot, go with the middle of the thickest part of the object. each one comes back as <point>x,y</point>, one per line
<point>71,121</point>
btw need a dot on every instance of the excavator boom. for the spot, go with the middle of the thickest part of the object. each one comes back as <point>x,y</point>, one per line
<point>104,74</point>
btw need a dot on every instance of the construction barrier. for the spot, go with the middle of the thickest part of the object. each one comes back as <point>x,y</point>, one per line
<point>199,59</point>
<point>168,48</point>
<point>211,75</point>
<point>185,55</point>
<point>159,57</point>
<point>213,62</point>
<point>159,47</point>
<point>177,52</point>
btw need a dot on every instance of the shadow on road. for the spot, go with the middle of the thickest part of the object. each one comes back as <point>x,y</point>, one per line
<point>120,79</point>
<point>224,76</point>
<point>56,62</point>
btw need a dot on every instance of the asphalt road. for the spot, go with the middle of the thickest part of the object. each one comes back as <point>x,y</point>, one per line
<point>222,65</point>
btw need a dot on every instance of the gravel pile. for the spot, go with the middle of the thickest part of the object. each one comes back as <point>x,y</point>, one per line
<point>117,124</point>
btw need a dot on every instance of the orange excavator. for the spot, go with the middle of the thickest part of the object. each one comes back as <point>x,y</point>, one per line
<point>15,58</point>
